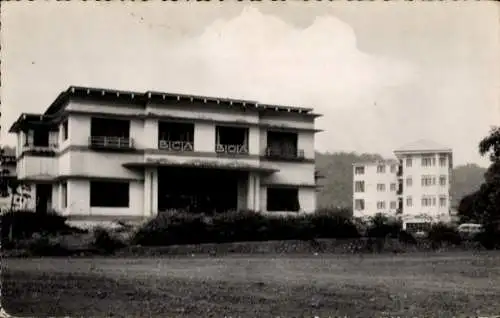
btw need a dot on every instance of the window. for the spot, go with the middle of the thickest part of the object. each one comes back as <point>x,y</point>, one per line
<point>231,140</point>
<point>442,201</point>
<point>359,186</point>
<point>393,205</point>
<point>173,136</point>
<point>393,168</point>
<point>106,127</point>
<point>428,201</point>
<point>359,170</point>
<point>428,181</point>
<point>442,160</point>
<point>359,204</point>
<point>109,194</point>
<point>64,130</point>
<point>283,199</point>
<point>64,195</point>
<point>409,182</point>
<point>442,180</point>
<point>381,205</point>
<point>408,162</point>
<point>409,201</point>
<point>393,187</point>
<point>380,187</point>
<point>282,144</point>
<point>428,161</point>
<point>380,169</point>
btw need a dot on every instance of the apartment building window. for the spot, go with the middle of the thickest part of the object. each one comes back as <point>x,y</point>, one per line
<point>359,170</point>
<point>393,168</point>
<point>109,194</point>
<point>393,205</point>
<point>409,201</point>
<point>64,130</point>
<point>381,169</point>
<point>64,195</point>
<point>359,204</point>
<point>442,160</point>
<point>232,140</point>
<point>409,182</point>
<point>381,205</point>
<point>359,186</point>
<point>283,199</point>
<point>428,181</point>
<point>380,187</point>
<point>442,201</point>
<point>428,161</point>
<point>283,145</point>
<point>442,180</point>
<point>393,187</point>
<point>409,162</point>
<point>428,201</point>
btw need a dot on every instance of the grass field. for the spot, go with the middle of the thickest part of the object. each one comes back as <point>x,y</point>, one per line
<point>418,285</point>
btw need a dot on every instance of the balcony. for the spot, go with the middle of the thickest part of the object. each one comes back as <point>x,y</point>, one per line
<point>40,149</point>
<point>284,154</point>
<point>176,146</point>
<point>400,171</point>
<point>231,149</point>
<point>111,143</point>
<point>399,191</point>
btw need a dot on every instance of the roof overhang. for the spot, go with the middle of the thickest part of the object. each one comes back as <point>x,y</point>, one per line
<point>200,165</point>
<point>416,151</point>
<point>27,120</point>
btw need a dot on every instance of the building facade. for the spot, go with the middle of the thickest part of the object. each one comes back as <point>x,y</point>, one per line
<point>421,172</point>
<point>105,153</point>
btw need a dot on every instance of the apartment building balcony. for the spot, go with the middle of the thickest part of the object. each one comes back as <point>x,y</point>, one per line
<point>111,143</point>
<point>176,145</point>
<point>40,148</point>
<point>399,172</point>
<point>284,153</point>
<point>399,191</point>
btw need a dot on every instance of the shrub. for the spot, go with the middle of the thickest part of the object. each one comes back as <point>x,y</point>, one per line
<point>105,242</point>
<point>381,227</point>
<point>23,224</point>
<point>441,233</point>
<point>489,238</point>
<point>42,245</point>
<point>184,228</point>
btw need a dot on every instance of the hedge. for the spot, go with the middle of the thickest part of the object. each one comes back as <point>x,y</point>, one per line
<point>184,228</point>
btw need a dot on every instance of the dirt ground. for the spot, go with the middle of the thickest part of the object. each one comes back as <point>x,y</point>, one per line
<point>423,285</point>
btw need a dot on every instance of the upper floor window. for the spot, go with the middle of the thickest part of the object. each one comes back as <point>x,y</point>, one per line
<point>428,201</point>
<point>409,181</point>
<point>282,145</point>
<point>409,162</point>
<point>381,205</point>
<point>442,160</point>
<point>110,133</point>
<point>442,201</point>
<point>40,137</point>
<point>176,136</point>
<point>231,140</point>
<point>359,186</point>
<point>380,187</point>
<point>393,168</point>
<point>428,181</point>
<point>393,205</point>
<point>283,199</point>
<point>442,180</point>
<point>64,130</point>
<point>393,187</point>
<point>359,170</point>
<point>380,168</point>
<point>428,161</point>
<point>409,201</point>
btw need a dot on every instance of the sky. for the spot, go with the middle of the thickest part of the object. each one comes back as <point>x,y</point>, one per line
<point>383,74</point>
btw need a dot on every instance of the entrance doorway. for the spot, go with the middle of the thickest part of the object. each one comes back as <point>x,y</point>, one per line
<point>43,198</point>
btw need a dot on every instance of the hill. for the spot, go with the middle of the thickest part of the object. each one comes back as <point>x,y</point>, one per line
<point>336,186</point>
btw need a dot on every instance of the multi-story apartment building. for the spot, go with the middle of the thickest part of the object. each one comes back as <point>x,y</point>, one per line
<point>108,153</point>
<point>422,175</point>
<point>374,188</point>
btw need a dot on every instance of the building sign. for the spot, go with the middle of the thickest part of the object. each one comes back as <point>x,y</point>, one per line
<point>233,149</point>
<point>176,145</point>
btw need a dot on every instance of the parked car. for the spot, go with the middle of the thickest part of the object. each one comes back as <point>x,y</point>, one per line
<point>469,230</point>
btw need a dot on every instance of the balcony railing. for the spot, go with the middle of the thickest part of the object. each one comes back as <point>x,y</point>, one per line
<point>279,153</point>
<point>179,146</point>
<point>400,171</point>
<point>231,149</point>
<point>109,142</point>
<point>52,147</point>
<point>399,191</point>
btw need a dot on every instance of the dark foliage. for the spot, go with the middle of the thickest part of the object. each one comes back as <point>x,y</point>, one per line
<point>43,246</point>
<point>444,234</point>
<point>381,227</point>
<point>183,228</point>
<point>106,243</point>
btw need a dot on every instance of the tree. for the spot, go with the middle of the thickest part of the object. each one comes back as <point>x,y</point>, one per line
<point>10,186</point>
<point>466,211</point>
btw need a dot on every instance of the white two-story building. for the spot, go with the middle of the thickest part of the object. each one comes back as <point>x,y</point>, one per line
<point>108,154</point>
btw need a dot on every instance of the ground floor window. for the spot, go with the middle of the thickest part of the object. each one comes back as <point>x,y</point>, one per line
<point>283,199</point>
<point>64,194</point>
<point>109,194</point>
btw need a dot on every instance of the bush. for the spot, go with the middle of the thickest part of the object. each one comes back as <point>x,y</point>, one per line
<point>185,228</point>
<point>441,233</point>
<point>44,246</point>
<point>381,227</point>
<point>18,225</point>
<point>106,243</point>
<point>489,238</point>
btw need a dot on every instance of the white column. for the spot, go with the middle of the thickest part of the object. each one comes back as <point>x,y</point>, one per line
<point>251,191</point>
<point>256,205</point>
<point>150,134</point>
